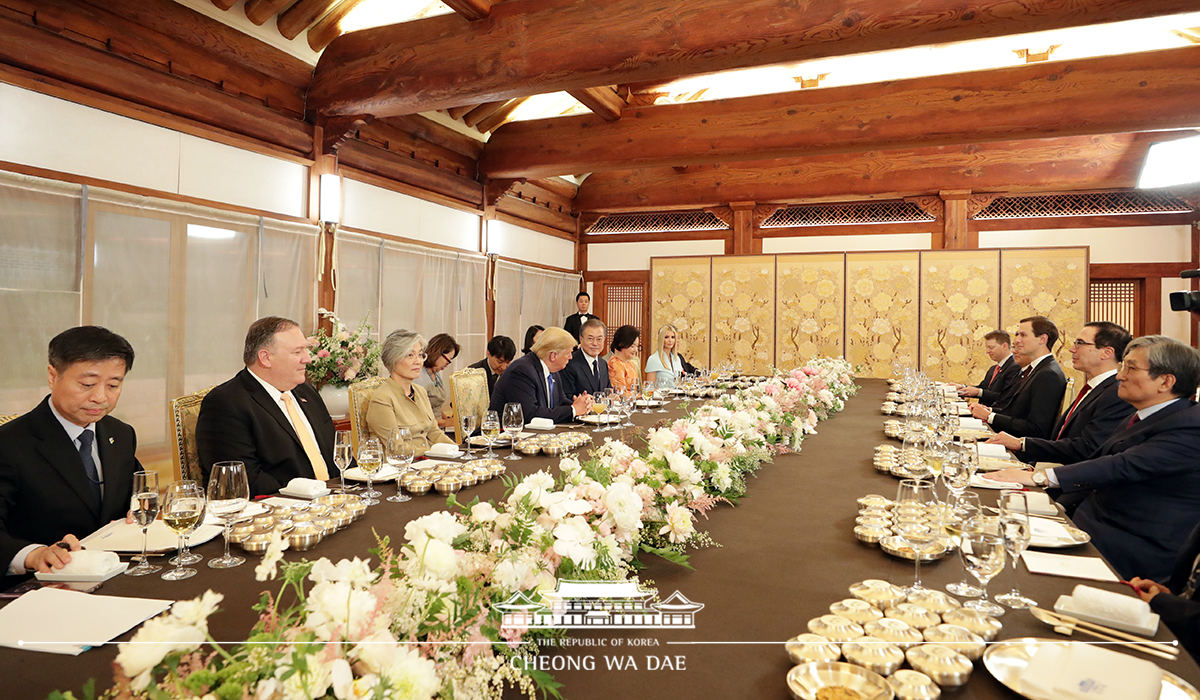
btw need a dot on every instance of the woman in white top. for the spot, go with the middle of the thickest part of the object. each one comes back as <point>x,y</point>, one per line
<point>665,364</point>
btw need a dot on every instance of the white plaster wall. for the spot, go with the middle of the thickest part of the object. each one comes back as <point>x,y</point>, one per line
<point>1134,244</point>
<point>531,246</point>
<point>838,244</point>
<point>1177,324</point>
<point>636,256</point>
<point>372,208</point>
<point>221,173</point>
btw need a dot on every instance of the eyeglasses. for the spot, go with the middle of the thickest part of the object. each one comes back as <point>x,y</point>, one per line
<point>416,356</point>
<point>1080,343</point>
<point>1127,367</point>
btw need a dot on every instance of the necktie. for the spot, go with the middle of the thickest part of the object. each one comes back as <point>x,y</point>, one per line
<point>995,371</point>
<point>1071,411</point>
<point>1133,420</point>
<point>320,471</point>
<point>550,390</point>
<point>1025,372</point>
<point>89,465</point>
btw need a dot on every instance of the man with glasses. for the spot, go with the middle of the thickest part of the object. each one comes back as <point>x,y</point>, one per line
<point>1144,481</point>
<point>1034,407</point>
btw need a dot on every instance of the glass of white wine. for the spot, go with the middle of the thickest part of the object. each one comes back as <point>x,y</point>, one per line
<point>183,509</point>
<point>514,420</point>
<point>468,426</point>
<point>490,428</point>
<point>370,459</point>
<point>647,394</point>
<point>400,455</point>
<point>983,555</point>
<point>144,507</point>
<point>343,453</point>
<point>228,495</point>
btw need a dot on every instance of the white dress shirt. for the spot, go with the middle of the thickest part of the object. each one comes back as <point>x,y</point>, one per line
<point>1032,366</point>
<point>1142,415</point>
<point>277,396</point>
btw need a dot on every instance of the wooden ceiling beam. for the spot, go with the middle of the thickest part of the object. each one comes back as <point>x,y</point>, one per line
<point>458,112</point>
<point>259,11</point>
<point>385,135</point>
<point>302,15</point>
<point>428,130</point>
<point>481,112</point>
<point>495,119</point>
<point>528,47</point>
<point>378,161</point>
<point>329,27</point>
<point>224,4</point>
<point>473,10</point>
<point>603,101</point>
<point>1111,94</point>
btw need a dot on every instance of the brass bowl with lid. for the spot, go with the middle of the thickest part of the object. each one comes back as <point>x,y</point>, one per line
<point>856,610</point>
<point>895,632</point>
<point>447,485</point>
<point>958,638</point>
<point>877,592</point>
<point>946,667</point>
<point>804,648</point>
<point>305,535</point>
<point>835,628</point>
<point>913,685</point>
<point>874,654</point>
<point>933,601</point>
<point>913,614</point>
<point>979,623</point>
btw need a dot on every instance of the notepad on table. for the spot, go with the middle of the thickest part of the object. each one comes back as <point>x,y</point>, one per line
<point>1092,568</point>
<point>70,622</point>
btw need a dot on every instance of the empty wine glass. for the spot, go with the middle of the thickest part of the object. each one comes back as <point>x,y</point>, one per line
<point>921,529</point>
<point>662,386</point>
<point>1014,525</point>
<point>965,513</point>
<point>228,495</point>
<point>183,509</point>
<point>343,452</point>
<point>513,422</point>
<point>145,510</point>
<point>491,430</point>
<point>627,405</point>
<point>468,427</point>
<point>983,555</point>
<point>400,455</point>
<point>370,459</point>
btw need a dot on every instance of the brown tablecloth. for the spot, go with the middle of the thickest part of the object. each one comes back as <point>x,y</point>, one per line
<point>787,552</point>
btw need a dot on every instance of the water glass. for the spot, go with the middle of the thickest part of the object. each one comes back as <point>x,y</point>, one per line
<point>400,455</point>
<point>983,555</point>
<point>228,496</point>
<point>145,510</point>
<point>514,421</point>
<point>468,427</point>
<point>1015,526</point>
<point>965,513</point>
<point>343,452</point>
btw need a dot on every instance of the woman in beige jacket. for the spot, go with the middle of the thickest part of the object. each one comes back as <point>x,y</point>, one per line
<point>400,402</point>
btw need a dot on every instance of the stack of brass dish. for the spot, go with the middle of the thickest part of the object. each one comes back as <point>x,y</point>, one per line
<point>553,444</point>
<point>303,524</point>
<point>874,525</point>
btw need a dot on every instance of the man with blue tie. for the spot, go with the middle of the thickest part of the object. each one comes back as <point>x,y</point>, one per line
<point>535,382</point>
<point>66,467</point>
<point>586,373</point>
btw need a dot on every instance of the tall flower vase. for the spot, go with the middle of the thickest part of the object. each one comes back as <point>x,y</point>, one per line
<point>337,400</point>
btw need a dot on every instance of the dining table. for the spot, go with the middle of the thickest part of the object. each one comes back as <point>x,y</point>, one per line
<point>779,557</point>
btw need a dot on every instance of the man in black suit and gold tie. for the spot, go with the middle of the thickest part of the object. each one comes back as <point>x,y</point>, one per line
<point>1033,409</point>
<point>1000,382</point>
<point>575,321</point>
<point>266,416</point>
<point>66,467</point>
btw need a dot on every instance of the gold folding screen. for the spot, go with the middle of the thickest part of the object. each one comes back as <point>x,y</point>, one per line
<point>876,309</point>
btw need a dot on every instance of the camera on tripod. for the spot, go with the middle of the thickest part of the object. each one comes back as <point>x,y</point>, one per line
<point>1186,301</point>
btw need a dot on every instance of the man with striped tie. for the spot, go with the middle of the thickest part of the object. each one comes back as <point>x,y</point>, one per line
<point>1000,382</point>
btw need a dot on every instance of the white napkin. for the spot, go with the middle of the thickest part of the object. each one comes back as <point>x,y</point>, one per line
<point>87,562</point>
<point>1088,672</point>
<point>443,449</point>
<point>971,424</point>
<point>541,424</point>
<point>306,487</point>
<point>1049,531</point>
<point>992,451</point>
<point>1111,606</point>
<point>1040,504</point>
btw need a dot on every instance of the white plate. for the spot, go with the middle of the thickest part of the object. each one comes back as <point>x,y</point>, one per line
<point>481,441</point>
<point>434,454</point>
<point>120,537</point>
<point>531,426</point>
<point>303,496</point>
<point>91,578</point>
<point>1008,659</point>
<point>1066,605</point>
<point>642,403</point>
<point>980,481</point>
<point>592,418</point>
<point>386,473</point>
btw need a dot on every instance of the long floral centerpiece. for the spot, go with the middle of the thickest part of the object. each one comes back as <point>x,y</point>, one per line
<point>423,622</point>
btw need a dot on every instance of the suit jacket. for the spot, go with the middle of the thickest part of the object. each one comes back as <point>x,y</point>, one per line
<point>1003,386</point>
<point>1182,615</point>
<point>524,383</point>
<point>1100,414</point>
<point>491,376</point>
<point>239,421</point>
<point>578,378</point>
<point>44,490</point>
<point>1145,484</point>
<point>1034,407</point>
<point>575,322</point>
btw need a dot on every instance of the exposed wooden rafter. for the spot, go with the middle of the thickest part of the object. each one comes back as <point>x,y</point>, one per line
<point>259,11</point>
<point>329,27</point>
<point>481,112</point>
<point>458,112</point>
<point>474,10</point>
<point>441,62</point>
<point>224,4</point>
<point>1111,94</point>
<point>495,119</point>
<point>337,130</point>
<point>302,15</point>
<point>603,101</point>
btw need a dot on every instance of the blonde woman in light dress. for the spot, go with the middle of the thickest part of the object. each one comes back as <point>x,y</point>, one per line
<point>622,363</point>
<point>664,366</point>
<point>400,402</point>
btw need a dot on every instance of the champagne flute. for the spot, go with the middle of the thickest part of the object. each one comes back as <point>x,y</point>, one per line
<point>491,430</point>
<point>370,459</point>
<point>228,495</point>
<point>1014,524</point>
<point>400,455</point>
<point>183,509</point>
<point>983,554</point>
<point>514,420</point>
<point>144,507</point>
<point>343,450</point>
<point>965,513</point>
<point>921,530</point>
<point>468,426</point>
<point>599,406</point>
<point>647,394</point>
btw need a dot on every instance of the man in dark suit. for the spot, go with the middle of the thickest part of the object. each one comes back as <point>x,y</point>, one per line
<point>1144,483</point>
<point>535,381</point>
<point>266,416</point>
<point>1001,379</point>
<point>500,352</point>
<point>66,467</point>
<point>586,373</point>
<point>1034,407</point>
<point>1176,603</point>
<point>575,322</point>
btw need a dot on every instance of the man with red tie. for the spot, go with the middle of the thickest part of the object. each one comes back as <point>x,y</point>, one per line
<point>1033,409</point>
<point>1000,382</point>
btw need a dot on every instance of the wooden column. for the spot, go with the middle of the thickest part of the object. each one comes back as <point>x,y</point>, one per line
<point>323,163</point>
<point>954,221</point>
<point>1195,281</point>
<point>743,227</point>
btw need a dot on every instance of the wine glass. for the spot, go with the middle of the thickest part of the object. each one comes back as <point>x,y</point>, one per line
<point>514,421</point>
<point>922,527</point>
<point>468,426</point>
<point>1014,524</point>
<point>491,430</point>
<point>983,554</point>
<point>228,495</point>
<point>183,509</point>
<point>648,394</point>
<point>965,512</point>
<point>661,386</point>
<point>599,406</point>
<point>343,450</point>
<point>370,459</point>
<point>144,507</point>
<point>400,455</point>
<point>627,405</point>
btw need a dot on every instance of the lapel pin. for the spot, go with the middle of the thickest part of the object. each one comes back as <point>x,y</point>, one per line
<point>111,441</point>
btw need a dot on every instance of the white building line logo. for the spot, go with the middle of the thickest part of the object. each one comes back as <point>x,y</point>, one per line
<point>598,604</point>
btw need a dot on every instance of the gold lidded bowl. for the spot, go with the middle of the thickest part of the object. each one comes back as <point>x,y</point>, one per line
<point>946,667</point>
<point>855,610</point>
<point>894,632</point>
<point>238,533</point>
<point>958,638</point>
<point>897,547</point>
<point>871,534</point>
<point>877,592</point>
<point>807,647</point>
<point>447,485</point>
<point>419,487</point>
<point>981,624</point>
<point>873,521</point>
<point>933,601</point>
<point>874,654</point>
<point>341,518</point>
<point>529,447</point>
<point>873,500</point>
<point>305,535</point>
<point>355,508</point>
<point>327,524</point>
<point>913,685</point>
<point>835,628</point>
<point>915,615</point>
<point>805,680</point>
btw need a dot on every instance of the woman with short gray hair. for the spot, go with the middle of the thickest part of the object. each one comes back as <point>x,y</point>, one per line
<point>400,402</point>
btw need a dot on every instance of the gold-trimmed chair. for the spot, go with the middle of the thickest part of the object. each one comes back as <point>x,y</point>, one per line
<point>360,398</point>
<point>469,395</point>
<point>1068,396</point>
<point>184,412</point>
<point>5,419</point>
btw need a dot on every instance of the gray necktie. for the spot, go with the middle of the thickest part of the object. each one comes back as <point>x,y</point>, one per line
<point>89,465</point>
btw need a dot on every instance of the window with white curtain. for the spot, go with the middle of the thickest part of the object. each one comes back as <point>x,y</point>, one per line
<point>527,296</point>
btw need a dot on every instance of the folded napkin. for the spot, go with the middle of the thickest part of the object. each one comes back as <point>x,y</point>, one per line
<point>443,449</point>
<point>992,451</point>
<point>1107,605</point>
<point>1087,671</point>
<point>306,487</point>
<point>541,424</point>
<point>971,424</point>
<point>87,562</point>
<point>1040,503</point>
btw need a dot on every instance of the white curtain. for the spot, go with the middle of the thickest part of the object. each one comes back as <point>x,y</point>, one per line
<point>527,296</point>
<point>358,280</point>
<point>288,281</point>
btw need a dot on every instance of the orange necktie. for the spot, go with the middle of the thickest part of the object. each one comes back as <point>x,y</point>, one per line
<point>320,471</point>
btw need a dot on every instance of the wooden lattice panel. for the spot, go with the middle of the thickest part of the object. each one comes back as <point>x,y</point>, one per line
<point>810,307</point>
<point>1083,204</point>
<point>958,307</point>
<point>881,212</point>
<point>680,289</point>
<point>1114,301</point>
<point>658,222</point>
<point>623,307</point>
<point>743,312</point>
<point>881,311</point>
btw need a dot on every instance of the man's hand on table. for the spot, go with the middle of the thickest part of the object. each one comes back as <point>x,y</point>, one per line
<point>980,411</point>
<point>1147,589</point>
<point>1008,441</point>
<point>969,392</point>
<point>45,559</point>
<point>1016,476</point>
<point>582,405</point>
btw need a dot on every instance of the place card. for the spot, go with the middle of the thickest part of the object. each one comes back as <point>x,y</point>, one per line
<point>1091,568</point>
